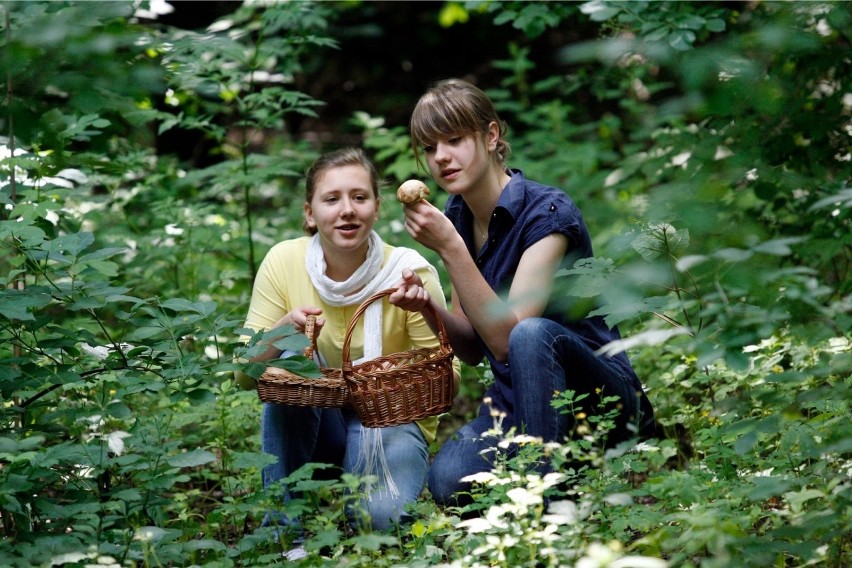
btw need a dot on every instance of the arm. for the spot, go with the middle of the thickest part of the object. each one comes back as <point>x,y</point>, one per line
<point>297,318</point>
<point>491,316</point>
<point>270,306</point>
<point>411,295</point>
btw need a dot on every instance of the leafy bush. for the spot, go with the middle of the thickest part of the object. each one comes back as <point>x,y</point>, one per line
<point>707,145</point>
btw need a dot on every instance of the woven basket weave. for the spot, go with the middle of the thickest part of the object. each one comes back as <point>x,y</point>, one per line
<point>283,387</point>
<point>402,387</point>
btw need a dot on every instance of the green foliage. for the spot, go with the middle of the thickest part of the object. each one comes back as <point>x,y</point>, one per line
<point>707,145</point>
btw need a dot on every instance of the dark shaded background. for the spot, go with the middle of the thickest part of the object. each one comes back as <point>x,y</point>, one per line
<point>389,54</point>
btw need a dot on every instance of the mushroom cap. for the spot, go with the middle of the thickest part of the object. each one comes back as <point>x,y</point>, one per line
<point>412,191</point>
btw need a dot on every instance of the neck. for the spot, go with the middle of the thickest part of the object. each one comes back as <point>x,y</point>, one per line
<point>483,199</point>
<point>341,265</point>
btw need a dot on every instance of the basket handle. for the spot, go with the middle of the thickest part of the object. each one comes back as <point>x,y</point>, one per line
<point>347,338</point>
<point>310,323</point>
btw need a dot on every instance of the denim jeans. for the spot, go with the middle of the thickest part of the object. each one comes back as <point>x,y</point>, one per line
<point>299,435</point>
<point>545,358</point>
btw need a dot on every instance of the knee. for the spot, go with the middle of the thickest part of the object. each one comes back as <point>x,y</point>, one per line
<point>527,329</point>
<point>532,344</point>
<point>444,485</point>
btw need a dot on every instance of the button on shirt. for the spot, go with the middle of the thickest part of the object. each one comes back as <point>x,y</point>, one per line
<point>527,212</point>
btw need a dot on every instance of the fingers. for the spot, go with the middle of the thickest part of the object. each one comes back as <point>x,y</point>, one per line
<point>410,278</point>
<point>299,317</point>
<point>413,298</point>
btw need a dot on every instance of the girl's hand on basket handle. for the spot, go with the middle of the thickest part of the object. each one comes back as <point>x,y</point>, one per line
<point>410,294</point>
<point>299,316</point>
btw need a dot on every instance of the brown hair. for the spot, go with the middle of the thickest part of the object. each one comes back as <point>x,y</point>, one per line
<point>350,156</point>
<point>454,106</point>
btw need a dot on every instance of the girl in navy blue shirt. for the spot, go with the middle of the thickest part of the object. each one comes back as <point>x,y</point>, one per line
<point>502,238</point>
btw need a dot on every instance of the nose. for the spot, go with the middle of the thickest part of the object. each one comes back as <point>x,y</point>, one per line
<point>346,208</point>
<point>441,154</point>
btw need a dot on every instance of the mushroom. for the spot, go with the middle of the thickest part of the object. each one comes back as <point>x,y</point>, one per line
<point>412,191</point>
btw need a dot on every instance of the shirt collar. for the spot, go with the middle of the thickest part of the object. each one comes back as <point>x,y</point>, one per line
<point>509,206</point>
<point>513,196</point>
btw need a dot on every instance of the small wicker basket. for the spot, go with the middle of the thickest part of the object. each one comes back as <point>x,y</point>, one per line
<point>385,391</point>
<point>283,387</point>
<point>402,387</point>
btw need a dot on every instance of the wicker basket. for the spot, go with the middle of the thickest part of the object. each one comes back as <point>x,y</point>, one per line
<point>283,387</point>
<point>402,387</point>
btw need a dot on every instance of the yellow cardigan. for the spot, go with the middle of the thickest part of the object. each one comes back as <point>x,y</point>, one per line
<point>283,284</point>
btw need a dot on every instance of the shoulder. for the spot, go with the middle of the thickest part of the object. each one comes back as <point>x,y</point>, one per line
<point>405,255</point>
<point>288,248</point>
<point>544,209</point>
<point>286,254</point>
<point>527,193</point>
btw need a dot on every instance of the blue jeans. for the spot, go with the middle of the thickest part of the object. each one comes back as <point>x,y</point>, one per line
<point>299,435</point>
<point>545,358</point>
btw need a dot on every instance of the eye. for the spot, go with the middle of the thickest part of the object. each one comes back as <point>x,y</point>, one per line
<point>428,149</point>
<point>454,140</point>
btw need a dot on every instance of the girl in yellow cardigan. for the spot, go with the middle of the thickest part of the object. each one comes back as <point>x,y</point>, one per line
<point>329,274</point>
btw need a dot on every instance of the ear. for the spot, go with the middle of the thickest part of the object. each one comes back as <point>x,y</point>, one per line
<point>309,216</point>
<point>492,136</point>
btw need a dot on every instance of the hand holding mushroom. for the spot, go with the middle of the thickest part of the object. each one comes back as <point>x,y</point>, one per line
<point>411,191</point>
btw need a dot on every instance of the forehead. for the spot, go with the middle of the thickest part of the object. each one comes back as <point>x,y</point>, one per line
<point>344,178</point>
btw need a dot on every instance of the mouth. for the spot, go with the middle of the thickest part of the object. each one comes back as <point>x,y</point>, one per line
<point>348,227</point>
<point>449,173</point>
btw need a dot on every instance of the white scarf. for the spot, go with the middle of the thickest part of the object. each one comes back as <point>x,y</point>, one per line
<point>369,278</point>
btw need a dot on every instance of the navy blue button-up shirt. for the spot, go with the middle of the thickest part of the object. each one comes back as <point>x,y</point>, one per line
<point>525,213</point>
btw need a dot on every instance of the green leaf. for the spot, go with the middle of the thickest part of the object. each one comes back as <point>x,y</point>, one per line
<point>732,254</point>
<point>87,303</point>
<point>101,254</point>
<point>248,460</point>
<point>204,544</point>
<point>193,458</point>
<point>8,445</point>
<point>183,305</point>
<point>617,312</point>
<point>28,235</point>
<point>119,410</point>
<point>129,495</point>
<point>589,276</point>
<point>599,11</point>
<point>681,39</point>
<point>298,364</point>
<point>200,396</point>
<point>778,247</point>
<point>16,304</point>
<point>374,541</point>
<point>661,239</point>
<point>715,25</point>
<point>452,13</point>
<point>324,538</point>
<point>798,499</point>
<point>144,332</point>
<point>72,245</point>
<point>149,534</point>
<point>765,487</point>
<point>691,22</point>
<point>745,443</point>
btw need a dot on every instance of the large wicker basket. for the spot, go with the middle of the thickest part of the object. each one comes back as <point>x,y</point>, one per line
<point>402,387</point>
<point>283,387</point>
